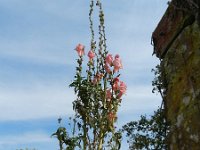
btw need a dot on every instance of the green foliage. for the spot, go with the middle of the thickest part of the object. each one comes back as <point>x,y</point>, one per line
<point>148,133</point>
<point>64,139</point>
<point>159,83</point>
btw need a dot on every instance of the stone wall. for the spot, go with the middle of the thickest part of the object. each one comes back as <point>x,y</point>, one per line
<point>177,44</point>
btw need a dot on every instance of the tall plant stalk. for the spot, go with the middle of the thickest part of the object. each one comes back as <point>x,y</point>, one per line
<point>99,92</point>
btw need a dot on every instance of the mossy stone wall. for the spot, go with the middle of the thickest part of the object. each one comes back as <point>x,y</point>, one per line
<point>182,99</point>
<point>180,60</point>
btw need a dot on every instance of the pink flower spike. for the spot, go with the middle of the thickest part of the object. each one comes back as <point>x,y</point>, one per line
<point>117,63</point>
<point>91,55</point>
<point>109,59</point>
<point>80,49</point>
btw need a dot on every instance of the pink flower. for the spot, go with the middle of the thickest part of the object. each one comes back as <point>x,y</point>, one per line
<point>122,87</point>
<point>116,79</point>
<point>116,56</point>
<point>116,86</point>
<point>117,63</point>
<point>107,68</point>
<point>91,55</point>
<point>109,59</point>
<point>80,49</point>
<point>108,95</point>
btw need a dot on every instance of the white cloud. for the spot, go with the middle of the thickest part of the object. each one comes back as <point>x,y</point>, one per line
<point>35,101</point>
<point>139,99</point>
<point>29,137</point>
<point>34,51</point>
<point>41,30</point>
<point>31,140</point>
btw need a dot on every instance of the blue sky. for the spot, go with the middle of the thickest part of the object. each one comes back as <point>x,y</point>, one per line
<point>37,63</point>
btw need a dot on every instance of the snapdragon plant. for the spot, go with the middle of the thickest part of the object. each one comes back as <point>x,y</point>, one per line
<point>99,92</point>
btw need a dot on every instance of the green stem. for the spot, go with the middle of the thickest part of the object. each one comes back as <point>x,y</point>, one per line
<point>84,137</point>
<point>100,146</point>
